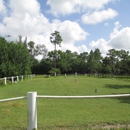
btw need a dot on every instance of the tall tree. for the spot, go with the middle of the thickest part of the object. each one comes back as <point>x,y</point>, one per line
<point>31,48</point>
<point>91,63</point>
<point>3,56</point>
<point>35,51</point>
<point>106,68</point>
<point>113,56</point>
<point>24,42</point>
<point>98,58</point>
<point>55,39</point>
<point>68,63</point>
<point>84,56</point>
<point>124,59</point>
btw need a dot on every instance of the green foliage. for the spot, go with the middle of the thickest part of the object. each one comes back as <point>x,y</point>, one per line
<point>35,50</point>
<point>54,70</point>
<point>14,59</point>
<point>94,61</point>
<point>55,38</point>
<point>41,67</point>
<point>116,62</point>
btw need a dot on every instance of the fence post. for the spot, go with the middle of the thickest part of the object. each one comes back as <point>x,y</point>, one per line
<point>22,77</point>
<point>75,74</point>
<point>17,78</point>
<point>5,80</point>
<point>32,110</point>
<point>12,79</point>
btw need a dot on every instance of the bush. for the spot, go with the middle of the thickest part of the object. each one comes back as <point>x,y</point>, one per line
<point>54,70</point>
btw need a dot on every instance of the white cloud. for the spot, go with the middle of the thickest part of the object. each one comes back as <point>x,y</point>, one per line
<point>70,32</point>
<point>29,22</point>
<point>20,7</point>
<point>62,7</point>
<point>24,19</point>
<point>73,48</point>
<point>83,48</point>
<point>102,44</point>
<point>115,30</point>
<point>120,39</point>
<point>99,16</point>
<point>66,7</point>
<point>2,7</point>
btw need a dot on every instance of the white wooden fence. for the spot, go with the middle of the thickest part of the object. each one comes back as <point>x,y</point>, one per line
<point>15,77</point>
<point>32,104</point>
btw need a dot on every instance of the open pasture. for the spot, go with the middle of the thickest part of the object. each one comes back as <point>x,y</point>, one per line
<point>67,114</point>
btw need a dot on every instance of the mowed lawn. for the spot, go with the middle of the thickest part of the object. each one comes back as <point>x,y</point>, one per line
<point>67,114</point>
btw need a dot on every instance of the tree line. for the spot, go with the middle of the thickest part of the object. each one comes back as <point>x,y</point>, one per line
<point>115,62</point>
<point>18,58</point>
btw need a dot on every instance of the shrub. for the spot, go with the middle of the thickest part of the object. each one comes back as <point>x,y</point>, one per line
<point>54,70</point>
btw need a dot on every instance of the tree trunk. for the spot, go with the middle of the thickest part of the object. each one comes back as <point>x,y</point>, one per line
<point>55,57</point>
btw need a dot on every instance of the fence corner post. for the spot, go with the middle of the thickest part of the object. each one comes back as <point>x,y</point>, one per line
<point>32,110</point>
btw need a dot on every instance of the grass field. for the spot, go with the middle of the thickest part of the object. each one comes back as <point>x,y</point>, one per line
<point>67,114</point>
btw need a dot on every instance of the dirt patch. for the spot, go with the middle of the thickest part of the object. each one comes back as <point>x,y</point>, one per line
<point>92,127</point>
<point>111,127</point>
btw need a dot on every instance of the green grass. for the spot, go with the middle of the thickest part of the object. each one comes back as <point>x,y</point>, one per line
<point>67,114</point>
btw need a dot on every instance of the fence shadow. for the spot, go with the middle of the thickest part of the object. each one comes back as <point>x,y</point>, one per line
<point>117,86</point>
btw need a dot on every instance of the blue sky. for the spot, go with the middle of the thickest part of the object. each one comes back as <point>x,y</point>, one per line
<point>83,24</point>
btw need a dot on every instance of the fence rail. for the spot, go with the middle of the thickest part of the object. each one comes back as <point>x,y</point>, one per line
<point>97,96</point>
<point>11,99</point>
<point>32,104</point>
<point>47,96</point>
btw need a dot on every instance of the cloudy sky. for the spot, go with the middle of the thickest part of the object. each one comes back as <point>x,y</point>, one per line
<point>83,24</point>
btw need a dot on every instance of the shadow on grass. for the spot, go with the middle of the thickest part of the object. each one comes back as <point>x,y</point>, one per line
<point>117,86</point>
<point>122,99</point>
